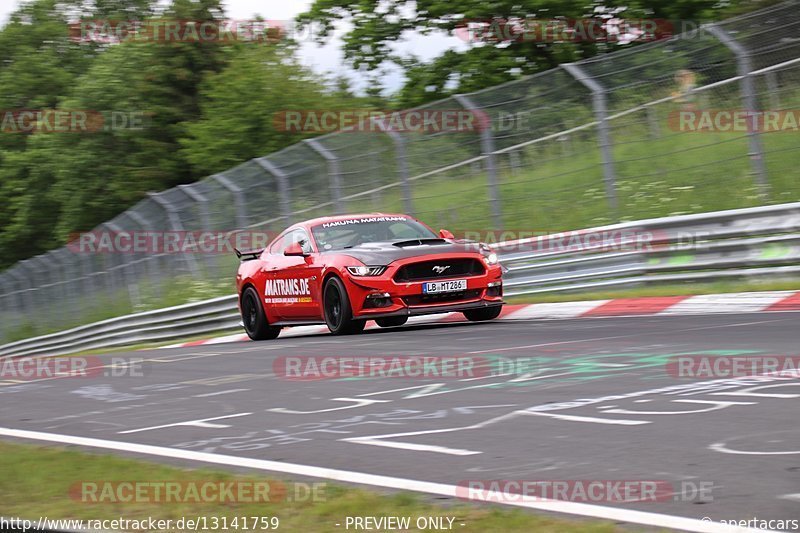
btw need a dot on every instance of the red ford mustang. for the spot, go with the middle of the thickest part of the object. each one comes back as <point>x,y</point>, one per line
<point>345,270</point>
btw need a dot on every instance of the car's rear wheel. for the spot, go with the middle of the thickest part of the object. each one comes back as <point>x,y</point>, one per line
<point>485,313</point>
<point>254,319</point>
<point>391,321</point>
<point>338,311</point>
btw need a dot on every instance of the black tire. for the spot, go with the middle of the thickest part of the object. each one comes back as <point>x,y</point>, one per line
<point>254,319</point>
<point>338,311</point>
<point>391,321</point>
<point>485,313</point>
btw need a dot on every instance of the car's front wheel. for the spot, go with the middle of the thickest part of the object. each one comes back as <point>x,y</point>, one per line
<point>254,319</point>
<point>391,321</point>
<point>485,313</point>
<point>338,311</point>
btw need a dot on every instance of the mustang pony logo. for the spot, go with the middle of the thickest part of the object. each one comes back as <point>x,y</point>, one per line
<point>440,269</point>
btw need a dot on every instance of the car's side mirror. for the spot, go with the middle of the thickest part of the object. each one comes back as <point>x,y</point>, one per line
<point>295,249</point>
<point>444,234</point>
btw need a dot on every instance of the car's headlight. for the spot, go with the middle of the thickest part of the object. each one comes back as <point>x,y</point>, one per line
<point>492,259</point>
<point>366,270</point>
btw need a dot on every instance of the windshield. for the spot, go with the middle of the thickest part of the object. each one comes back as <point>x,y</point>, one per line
<point>341,234</point>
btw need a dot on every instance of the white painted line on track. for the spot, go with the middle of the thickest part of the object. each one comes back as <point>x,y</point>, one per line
<point>202,423</point>
<point>410,446</point>
<point>207,394</point>
<point>582,509</point>
<point>575,418</point>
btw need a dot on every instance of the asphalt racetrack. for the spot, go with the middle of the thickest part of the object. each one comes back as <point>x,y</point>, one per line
<point>736,439</point>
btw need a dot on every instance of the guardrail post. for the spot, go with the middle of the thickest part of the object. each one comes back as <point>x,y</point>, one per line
<point>238,199</point>
<point>334,173</point>
<point>745,67</point>
<point>283,187</point>
<point>488,149</point>
<point>176,225</point>
<point>402,164</point>
<point>599,102</point>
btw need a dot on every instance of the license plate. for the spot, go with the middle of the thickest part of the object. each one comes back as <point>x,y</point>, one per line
<point>435,287</point>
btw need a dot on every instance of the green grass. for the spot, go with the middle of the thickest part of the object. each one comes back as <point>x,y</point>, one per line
<point>36,482</point>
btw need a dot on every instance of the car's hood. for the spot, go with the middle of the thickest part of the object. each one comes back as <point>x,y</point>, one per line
<point>383,253</point>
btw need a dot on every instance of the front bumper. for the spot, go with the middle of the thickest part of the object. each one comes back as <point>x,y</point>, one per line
<point>406,298</point>
<point>432,310</point>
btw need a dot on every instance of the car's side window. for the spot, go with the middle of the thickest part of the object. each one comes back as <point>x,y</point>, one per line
<point>298,235</point>
<point>280,244</point>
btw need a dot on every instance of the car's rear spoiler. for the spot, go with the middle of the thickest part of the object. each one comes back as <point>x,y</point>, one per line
<point>248,255</point>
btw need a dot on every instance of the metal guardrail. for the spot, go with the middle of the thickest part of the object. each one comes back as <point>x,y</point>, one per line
<point>760,241</point>
<point>752,242</point>
<point>218,314</point>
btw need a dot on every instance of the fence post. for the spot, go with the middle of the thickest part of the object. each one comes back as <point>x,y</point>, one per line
<point>772,89</point>
<point>24,304</point>
<point>8,309</point>
<point>176,225</point>
<point>205,218</point>
<point>334,173</point>
<point>745,67</point>
<point>488,149</point>
<point>402,164</point>
<point>283,187</point>
<point>599,102</point>
<point>152,265</point>
<point>238,199</point>
<point>32,292</point>
<point>121,265</point>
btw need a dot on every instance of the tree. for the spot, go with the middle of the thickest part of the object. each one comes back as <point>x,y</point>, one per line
<point>240,105</point>
<point>378,24</point>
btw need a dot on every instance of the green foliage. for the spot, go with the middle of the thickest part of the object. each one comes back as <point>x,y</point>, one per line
<point>202,106</point>
<point>239,107</point>
<point>377,25</point>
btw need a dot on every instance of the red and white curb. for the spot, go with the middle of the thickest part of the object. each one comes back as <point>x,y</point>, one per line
<point>704,304</point>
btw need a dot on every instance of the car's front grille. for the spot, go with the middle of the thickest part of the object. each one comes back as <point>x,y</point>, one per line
<point>445,268</point>
<point>445,297</point>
